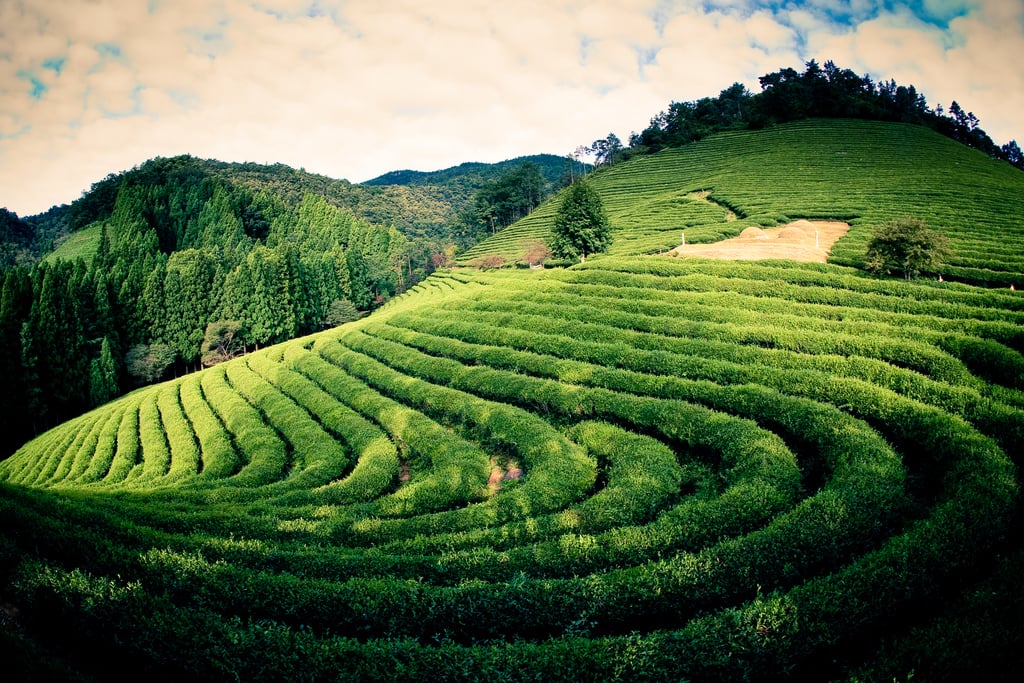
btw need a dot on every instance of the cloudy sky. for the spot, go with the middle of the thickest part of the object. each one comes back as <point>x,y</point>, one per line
<point>354,88</point>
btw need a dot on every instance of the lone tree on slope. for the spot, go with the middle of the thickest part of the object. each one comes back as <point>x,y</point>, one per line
<point>581,225</point>
<point>906,246</point>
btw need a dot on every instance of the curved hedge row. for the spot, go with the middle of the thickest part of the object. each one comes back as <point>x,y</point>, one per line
<point>639,472</point>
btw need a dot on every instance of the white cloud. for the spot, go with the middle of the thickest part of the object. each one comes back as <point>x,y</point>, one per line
<point>368,86</point>
<point>975,61</point>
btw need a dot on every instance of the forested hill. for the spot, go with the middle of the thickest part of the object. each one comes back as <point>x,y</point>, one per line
<point>17,239</point>
<point>474,174</point>
<point>421,205</point>
<point>163,251</point>
<point>818,92</point>
<point>149,259</point>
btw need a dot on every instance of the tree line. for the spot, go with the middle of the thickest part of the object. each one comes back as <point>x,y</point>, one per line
<point>502,201</point>
<point>786,95</point>
<point>180,254</point>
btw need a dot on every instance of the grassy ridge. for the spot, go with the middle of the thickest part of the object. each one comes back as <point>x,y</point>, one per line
<point>860,171</point>
<point>640,469</point>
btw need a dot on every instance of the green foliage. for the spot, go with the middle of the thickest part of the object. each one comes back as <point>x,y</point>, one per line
<point>103,383</point>
<point>581,225</point>
<point>819,91</point>
<point>906,246</point>
<point>148,362</point>
<point>83,244</point>
<point>17,240</point>
<point>504,200</point>
<point>341,311</point>
<point>222,342</point>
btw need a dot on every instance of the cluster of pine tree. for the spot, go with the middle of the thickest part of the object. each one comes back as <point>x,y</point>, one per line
<point>180,250</point>
<point>818,92</point>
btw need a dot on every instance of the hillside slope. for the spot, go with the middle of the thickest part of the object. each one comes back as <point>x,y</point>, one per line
<point>643,468</point>
<point>864,172</point>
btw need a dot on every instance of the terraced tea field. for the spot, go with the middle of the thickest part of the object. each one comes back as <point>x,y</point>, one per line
<point>642,469</point>
<point>862,172</point>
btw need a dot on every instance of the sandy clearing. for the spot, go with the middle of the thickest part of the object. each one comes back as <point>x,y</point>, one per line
<point>801,240</point>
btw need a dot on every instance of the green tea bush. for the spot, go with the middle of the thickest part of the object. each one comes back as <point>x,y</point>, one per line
<point>185,456</point>
<point>265,452</point>
<point>218,456</point>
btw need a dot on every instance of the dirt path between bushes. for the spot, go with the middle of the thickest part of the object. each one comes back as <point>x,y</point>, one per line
<point>800,240</point>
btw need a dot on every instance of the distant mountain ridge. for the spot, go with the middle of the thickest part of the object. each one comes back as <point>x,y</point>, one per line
<point>551,166</point>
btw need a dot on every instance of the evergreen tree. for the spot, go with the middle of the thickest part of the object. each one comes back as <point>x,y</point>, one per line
<point>191,296</point>
<point>103,383</point>
<point>103,321</point>
<point>219,226</point>
<point>102,261</point>
<point>236,304</point>
<point>15,304</point>
<point>53,348</point>
<point>133,237</point>
<point>151,305</point>
<point>271,315</point>
<point>581,225</point>
<point>358,279</point>
<point>340,311</point>
<point>301,292</point>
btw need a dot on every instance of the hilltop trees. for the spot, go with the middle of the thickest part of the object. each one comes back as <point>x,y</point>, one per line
<point>606,149</point>
<point>819,91</point>
<point>581,225</point>
<point>907,246</point>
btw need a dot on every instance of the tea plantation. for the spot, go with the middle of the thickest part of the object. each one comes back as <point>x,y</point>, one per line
<point>639,469</point>
<point>864,172</point>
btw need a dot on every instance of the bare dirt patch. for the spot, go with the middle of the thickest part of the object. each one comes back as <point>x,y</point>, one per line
<point>801,240</point>
<point>502,472</point>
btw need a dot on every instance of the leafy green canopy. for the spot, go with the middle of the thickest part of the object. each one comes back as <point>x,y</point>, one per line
<point>907,246</point>
<point>581,225</point>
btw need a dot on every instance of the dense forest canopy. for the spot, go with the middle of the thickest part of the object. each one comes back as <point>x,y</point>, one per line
<point>179,249</point>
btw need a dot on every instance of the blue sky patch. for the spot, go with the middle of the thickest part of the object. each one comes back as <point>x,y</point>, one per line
<point>645,56</point>
<point>38,87</point>
<point>938,13</point>
<point>941,12</point>
<point>55,64</point>
<point>584,49</point>
<point>186,99</point>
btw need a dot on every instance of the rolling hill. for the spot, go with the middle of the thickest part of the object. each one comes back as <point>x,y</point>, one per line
<point>864,172</point>
<point>642,468</point>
